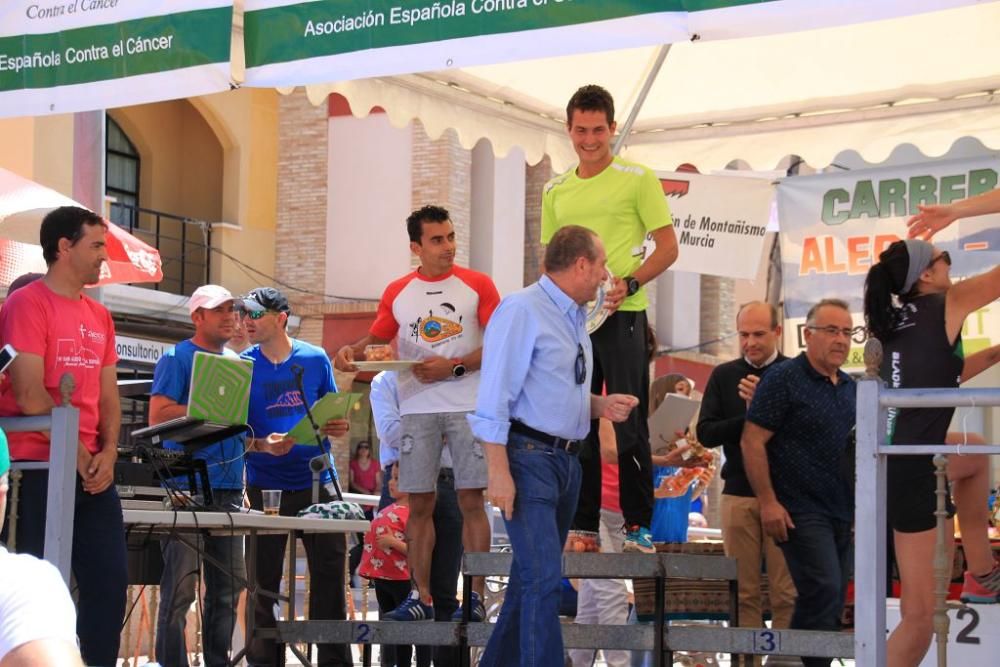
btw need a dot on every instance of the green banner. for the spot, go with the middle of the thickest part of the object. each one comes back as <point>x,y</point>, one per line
<point>317,29</point>
<point>128,48</point>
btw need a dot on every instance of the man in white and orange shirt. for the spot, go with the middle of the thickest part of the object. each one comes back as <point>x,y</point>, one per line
<point>437,315</point>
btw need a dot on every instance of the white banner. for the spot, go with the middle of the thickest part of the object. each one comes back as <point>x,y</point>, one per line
<point>78,55</point>
<point>720,222</point>
<point>294,42</point>
<point>834,226</point>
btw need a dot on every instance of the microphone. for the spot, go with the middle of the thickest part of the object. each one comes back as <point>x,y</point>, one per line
<point>315,465</point>
<point>299,372</point>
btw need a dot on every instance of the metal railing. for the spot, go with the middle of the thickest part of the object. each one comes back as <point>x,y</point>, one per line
<point>63,425</point>
<point>658,637</point>
<point>184,245</point>
<point>873,403</point>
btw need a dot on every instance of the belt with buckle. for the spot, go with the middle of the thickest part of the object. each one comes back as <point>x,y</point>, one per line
<point>554,441</point>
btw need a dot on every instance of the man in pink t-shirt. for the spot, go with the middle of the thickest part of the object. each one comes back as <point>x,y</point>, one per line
<point>437,315</point>
<point>58,330</point>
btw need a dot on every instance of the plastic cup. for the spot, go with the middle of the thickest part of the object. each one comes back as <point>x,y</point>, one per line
<point>272,501</point>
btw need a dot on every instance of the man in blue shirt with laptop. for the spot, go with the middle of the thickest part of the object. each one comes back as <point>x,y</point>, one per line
<point>214,318</point>
<point>534,409</point>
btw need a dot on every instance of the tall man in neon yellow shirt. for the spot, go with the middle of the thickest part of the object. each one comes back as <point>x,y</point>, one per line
<point>622,202</point>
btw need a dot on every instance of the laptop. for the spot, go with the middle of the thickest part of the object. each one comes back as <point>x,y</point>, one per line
<point>218,403</point>
<point>220,388</point>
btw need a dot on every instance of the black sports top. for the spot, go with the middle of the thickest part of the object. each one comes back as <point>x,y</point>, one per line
<point>920,356</point>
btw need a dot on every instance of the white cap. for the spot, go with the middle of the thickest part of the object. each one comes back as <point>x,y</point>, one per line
<point>208,296</point>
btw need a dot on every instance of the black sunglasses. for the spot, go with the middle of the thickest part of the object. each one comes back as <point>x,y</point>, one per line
<point>581,364</point>
<point>945,256</point>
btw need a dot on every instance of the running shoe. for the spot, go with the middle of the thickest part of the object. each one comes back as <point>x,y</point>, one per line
<point>412,609</point>
<point>478,614</point>
<point>638,538</point>
<point>973,589</point>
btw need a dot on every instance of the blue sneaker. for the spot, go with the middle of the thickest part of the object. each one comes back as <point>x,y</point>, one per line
<point>478,614</point>
<point>638,538</point>
<point>412,609</point>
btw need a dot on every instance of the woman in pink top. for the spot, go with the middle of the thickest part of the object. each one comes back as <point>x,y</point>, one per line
<point>365,473</point>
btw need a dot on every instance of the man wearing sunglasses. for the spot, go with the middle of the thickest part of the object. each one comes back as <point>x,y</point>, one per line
<point>436,314</point>
<point>278,400</point>
<point>794,440</point>
<point>534,408</point>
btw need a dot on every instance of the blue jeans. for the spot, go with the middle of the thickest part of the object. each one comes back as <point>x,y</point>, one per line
<point>182,569</point>
<point>817,553</point>
<point>547,484</point>
<point>446,560</point>
<point>98,560</point>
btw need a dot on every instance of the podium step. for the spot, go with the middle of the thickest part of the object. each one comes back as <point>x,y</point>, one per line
<point>614,566</point>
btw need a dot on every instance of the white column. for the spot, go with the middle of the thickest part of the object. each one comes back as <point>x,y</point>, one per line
<point>678,304</point>
<point>369,193</point>
<point>497,243</point>
<point>88,168</point>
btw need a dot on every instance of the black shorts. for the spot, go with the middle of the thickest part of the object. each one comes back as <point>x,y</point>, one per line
<point>911,494</point>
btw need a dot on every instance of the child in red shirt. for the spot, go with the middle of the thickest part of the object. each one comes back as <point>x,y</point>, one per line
<point>384,562</point>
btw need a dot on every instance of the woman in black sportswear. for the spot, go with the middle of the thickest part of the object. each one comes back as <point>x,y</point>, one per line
<point>913,308</point>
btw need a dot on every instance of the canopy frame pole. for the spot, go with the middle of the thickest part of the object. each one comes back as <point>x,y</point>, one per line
<point>647,85</point>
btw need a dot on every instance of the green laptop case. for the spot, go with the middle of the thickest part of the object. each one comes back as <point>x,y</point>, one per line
<point>220,388</point>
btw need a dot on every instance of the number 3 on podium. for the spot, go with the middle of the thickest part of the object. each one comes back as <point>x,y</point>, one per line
<point>767,641</point>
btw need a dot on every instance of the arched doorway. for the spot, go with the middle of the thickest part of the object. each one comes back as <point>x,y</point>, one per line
<point>165,177</point>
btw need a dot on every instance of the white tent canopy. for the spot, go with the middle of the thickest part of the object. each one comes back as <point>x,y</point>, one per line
<point>927,79</point>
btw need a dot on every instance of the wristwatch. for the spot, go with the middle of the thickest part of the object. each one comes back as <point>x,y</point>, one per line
<point>458,368</point>
<point>632,285</point>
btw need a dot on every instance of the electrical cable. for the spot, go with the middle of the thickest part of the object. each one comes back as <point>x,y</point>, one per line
<point>138,597</point>
<point>670,350</point>
<point>259,274</point>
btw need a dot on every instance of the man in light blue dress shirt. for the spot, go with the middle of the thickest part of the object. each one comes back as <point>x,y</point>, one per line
<point>534,408</point>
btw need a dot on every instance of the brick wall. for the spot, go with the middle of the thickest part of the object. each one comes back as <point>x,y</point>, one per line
<point>535,178</point>
<point>300,234</point>
<point>442,175</point>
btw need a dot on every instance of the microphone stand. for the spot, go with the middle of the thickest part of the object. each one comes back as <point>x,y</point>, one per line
<point>322,462</point>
